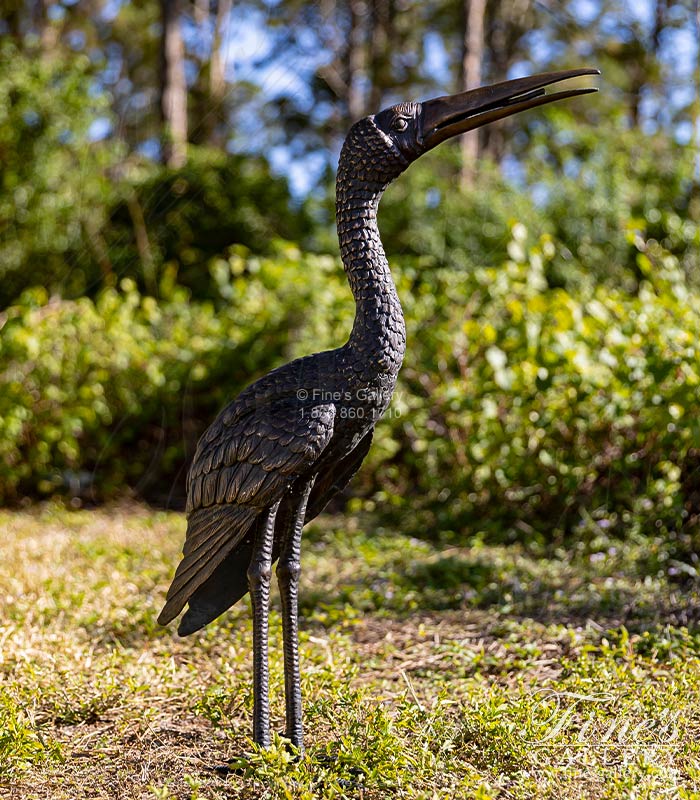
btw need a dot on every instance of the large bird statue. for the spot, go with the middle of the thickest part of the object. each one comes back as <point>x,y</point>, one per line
<point>275,456</point>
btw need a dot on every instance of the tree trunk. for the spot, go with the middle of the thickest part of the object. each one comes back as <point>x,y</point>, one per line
<point>173,95</point>
<point>354,61</point>
<point>47,33</point>
<point>696,101</point>
<point>506,23</point>
<point>217,77</point>
<point>381,48</point>
<point>217,68</point>
<point>201,12</point>
<point>474,11</point>
<point>143,244</point>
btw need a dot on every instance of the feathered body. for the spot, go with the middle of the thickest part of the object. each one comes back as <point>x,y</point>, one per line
<point>309,421</point>
<point>276,455</point>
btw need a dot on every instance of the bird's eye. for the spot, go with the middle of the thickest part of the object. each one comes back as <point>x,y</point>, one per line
<point>400,124</point>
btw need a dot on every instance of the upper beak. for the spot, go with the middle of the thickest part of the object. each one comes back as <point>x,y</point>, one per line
<point>448,116</point>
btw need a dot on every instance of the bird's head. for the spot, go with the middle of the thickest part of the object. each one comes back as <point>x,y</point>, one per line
<point>390,140</point>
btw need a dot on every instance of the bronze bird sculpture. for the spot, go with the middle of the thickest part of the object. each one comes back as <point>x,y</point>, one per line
<point>275,456</point>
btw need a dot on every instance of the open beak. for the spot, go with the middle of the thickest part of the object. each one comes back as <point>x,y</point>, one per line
<point>451,115</point>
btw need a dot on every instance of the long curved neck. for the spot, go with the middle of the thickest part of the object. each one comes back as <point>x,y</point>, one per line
<point>378,333</point>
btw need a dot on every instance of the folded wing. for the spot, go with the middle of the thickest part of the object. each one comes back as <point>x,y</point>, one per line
<point>243,465</point>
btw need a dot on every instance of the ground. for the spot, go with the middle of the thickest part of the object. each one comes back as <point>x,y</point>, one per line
<point>428,672</point>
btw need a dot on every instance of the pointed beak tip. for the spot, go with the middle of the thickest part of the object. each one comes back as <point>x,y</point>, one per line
<point>445,117</point>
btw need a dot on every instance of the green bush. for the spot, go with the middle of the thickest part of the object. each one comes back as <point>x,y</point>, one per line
<point>174,221</point>
<point>428,215</point>
<point>525,411</point>
<point>99,395</point>
<point>54,183</point>
<point>597,183</point>
<point>75,216</point>
<point>521,411</point>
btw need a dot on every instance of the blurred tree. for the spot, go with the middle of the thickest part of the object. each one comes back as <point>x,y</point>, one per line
<point>606,172</point>
<point>510,27</point>
<point>474,13</point>
<point>156,59</point>
<point>174,225</point>
<point>440,223</point>
<point>173,86</point>
<point>53,179</point>
<point>209,93</point>
<point>338,59</point>
<point>483,42</point>
<point>366,54</point>
<point>600,188</point>
<point>643,49</point>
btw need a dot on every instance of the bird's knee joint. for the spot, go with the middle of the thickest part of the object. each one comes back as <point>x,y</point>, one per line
<point>288,571</point>
<point>259,573</point>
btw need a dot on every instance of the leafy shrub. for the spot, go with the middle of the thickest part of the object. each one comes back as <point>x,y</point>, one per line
<point>75,216</point>
<point>525,411</point>
<point>99,395</point>
<point>597,183</point>
<point>521,411</point>
<point>428,215</point>
<point>174,221</point>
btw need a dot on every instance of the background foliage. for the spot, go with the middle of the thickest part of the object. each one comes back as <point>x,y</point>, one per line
<point>151,265</point>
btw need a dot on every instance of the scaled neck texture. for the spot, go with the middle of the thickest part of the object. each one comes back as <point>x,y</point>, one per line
<point>368,164</point>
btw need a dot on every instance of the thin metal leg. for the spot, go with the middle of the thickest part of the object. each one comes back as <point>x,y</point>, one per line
<point>259,576</point>
<point>288,572</point>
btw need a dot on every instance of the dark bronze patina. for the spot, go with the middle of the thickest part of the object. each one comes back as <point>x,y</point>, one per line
<point>275,456</point>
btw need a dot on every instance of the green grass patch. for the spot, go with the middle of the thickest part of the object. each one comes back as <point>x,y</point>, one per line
<point>428,671</point>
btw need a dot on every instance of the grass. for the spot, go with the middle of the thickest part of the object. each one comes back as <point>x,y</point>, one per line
<point>482,672</point>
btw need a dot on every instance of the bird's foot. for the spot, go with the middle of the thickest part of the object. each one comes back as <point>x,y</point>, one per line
<point>236,766</point>
<point>248,763</point>
<point>296,748</point>
<point>330,761</point>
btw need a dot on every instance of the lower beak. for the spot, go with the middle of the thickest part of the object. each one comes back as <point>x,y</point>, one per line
<point>451,115</point>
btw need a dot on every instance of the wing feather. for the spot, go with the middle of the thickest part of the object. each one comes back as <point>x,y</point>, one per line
<point>238,471</point>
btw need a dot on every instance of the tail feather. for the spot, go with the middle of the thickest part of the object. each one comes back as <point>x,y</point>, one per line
<point>196,557</point>
<point>226,586</point>
<point>212,535</point>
